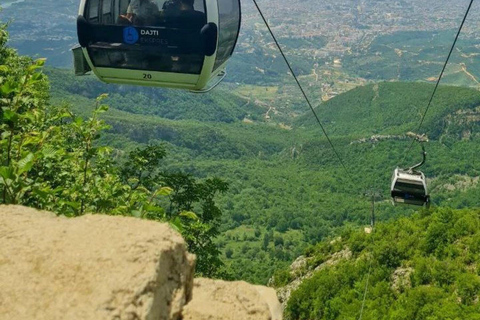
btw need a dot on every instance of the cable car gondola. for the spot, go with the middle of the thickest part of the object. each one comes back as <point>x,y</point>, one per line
<point>409,186</point>
<point>174,43</point>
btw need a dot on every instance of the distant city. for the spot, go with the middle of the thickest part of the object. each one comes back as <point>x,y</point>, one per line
<point>318,35</point>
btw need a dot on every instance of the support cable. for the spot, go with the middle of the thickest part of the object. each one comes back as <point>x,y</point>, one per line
<point>303,92</point>
<point>441,74</point>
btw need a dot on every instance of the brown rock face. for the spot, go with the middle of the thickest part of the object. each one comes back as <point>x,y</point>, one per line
<point>269,295</point>
<point>220,300</point>
<point>104,267</point>
<point>92,267</point>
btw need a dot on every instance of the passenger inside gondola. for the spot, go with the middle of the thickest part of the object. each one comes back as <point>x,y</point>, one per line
<point>174,13</point>
<point>170,7</point>
<point>142,13</point>
<point>182,14</point>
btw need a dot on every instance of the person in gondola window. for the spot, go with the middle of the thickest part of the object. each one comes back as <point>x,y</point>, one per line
<point>142,13</point>
<point>182,14</point>
<point>171,7</point>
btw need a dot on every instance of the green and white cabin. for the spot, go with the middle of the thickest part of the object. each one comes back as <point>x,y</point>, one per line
<point>409,187</point>
<point>168,46</point>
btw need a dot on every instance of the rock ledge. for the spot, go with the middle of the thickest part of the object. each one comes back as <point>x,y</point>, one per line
<point>110,267</point>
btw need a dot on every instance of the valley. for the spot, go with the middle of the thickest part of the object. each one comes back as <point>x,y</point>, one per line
<point>286,188</point>
<point>369,66</point>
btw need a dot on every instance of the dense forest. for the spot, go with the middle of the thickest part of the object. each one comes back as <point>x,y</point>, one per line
<point>286,188</point>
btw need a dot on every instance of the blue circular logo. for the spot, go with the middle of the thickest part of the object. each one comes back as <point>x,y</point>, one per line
<point>130,35</point>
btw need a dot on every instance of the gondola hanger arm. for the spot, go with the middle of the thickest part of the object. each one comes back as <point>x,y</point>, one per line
<point>418,165</point>
<point>420,139</point>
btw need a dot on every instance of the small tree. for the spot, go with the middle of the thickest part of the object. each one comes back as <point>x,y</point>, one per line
<point>190,195</point>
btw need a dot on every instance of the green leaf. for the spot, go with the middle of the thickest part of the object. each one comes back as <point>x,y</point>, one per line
<point>9,87</point>
<point>30,140</point>
<point>176,224</point>
<point>49,151</point>
<point>6,172</point>
<point>155,209</point>
<point>33,67</point>
<point>189,214</point>
<point>103,108</point>
<point>133,181</point>
<point>73,205</point>
<point>164,191</point>
<point>41,62</point>
<point>143,189</point>
<point>38,76</point>
<point>78,121</point>
<point>42,193</point>
<point>29,116</point>
<point>10,116</point>
<point>137,213</point>
<point>102,96</point>
<point>5,135</point>
<point>26,163</point>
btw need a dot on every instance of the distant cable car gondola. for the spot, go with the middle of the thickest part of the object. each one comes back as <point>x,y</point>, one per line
<point>174,43</point>
<point>409,186</point>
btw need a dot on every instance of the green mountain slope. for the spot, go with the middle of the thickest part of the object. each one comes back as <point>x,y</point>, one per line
<point>422,267</point>
<point>287,189</point>
<point>392,108</point>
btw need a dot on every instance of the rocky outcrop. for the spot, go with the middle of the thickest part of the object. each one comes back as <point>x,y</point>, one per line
<point>400,280</point>
<point>378,137</point>
<point>300,273</point>
<point>269,295</point>
<point>105,267</point>
<point>92,267</point>
<point>220,300</point>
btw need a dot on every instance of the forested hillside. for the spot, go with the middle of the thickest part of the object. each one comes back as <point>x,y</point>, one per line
<point>393,108</point>
<point>173,104</point>
<point>286,187</point>
<point>422,267</point>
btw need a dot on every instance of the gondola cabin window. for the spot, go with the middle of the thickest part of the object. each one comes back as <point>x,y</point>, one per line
<point>163,39</point>
<point>229,27</point>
